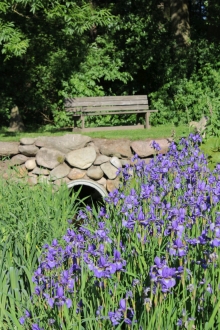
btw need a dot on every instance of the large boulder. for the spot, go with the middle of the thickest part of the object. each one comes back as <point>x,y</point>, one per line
<point>76,174</point>
<point>144,148</point>
<point>28,150</point>
<point>30,164</point>
<point>64,143</point>
<point>82,158</point>
<point>95,172</point>
<point>49,158</point>
<point>112,184</point>
<point>18,160</point>
<point>60,172</point>
<point>40,171</point>
<point>101,159</point>
<point>109,170</point>
<point>102,181</point>
<point>9,148</point>
<point>118,148</point>
<point>27,140</point>
<point>116,162</point>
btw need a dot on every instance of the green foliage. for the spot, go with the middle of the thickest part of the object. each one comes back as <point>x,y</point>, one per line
<point>213,125</point>
<point>188,99</point>
<point>53,49</point>
<point>43,45</point>
<point>13,41</point>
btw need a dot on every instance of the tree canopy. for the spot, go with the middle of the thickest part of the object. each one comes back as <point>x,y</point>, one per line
<point>52,49</point>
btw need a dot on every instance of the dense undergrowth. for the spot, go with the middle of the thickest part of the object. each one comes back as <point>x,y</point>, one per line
<point>148,259</point>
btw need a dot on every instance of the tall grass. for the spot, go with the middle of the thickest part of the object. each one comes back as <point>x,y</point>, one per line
<point>29,216</point>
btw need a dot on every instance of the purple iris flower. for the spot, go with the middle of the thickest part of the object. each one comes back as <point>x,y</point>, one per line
<point>36,327</point>
<point>122,305</point>
<point>178,248</point>
<point>104,268</point>
<point>115,317</point>
<point>167,279</point>
<point>22,320</point>
<point>155,145</point>
<point>215,242</point>
<point>118,261</point>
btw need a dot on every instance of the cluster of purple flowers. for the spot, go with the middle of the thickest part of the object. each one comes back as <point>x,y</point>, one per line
<point>162,274</point>
<point>122,314</point>
<point>163,222</point>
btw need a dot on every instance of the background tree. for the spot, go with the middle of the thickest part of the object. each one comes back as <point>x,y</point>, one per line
<point>53,49</point>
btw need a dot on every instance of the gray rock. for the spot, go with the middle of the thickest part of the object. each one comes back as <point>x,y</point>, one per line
<point>102,181</point>
<point>61,181</point>
<point>87,178</point>
<point>112,184</point>
<point>49,158</point>
<point>116,162</point>
<point>95,172</point>
<point>144,148</point>
<point>76,174</point>
<point>59,172</point>
<point>164,144</point>
<point>18,160</point>
<point>32,180</point>
<point>40,171</point>
<point>28,141</point>
<point>109,170</point>
<point>81,158</point>
<point>64,143</point>
<point>125,162</point>
<point>118,148</point>
<point>44,179</point>
<point>32,174</point>
<point>30,164</point>
<point>9,148</point>
<point>28,150</point>
<point>92,144</point>
<point>101,159</point>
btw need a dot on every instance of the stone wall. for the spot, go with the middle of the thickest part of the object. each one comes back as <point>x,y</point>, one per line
<point>71,157</point>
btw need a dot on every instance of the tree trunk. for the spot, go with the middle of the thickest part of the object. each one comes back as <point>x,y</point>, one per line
<point>180,21</point>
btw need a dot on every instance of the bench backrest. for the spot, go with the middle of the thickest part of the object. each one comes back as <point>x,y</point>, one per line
<point>91,103</point>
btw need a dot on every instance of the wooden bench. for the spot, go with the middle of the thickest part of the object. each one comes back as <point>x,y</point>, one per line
<point>81,107</point>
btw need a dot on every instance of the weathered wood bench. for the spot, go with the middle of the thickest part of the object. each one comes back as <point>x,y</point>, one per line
<point>81,107</point>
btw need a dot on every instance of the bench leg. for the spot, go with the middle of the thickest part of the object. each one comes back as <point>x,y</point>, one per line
<point>138,116</point>
<point>83,122</point>
<point>147,116</point>
<point>74,122</point>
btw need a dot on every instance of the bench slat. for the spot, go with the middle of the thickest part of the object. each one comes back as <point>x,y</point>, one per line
<point>116,113</point>
<point>105,103</point>
<point>104,108</point>
<point>84,114</point>
<point>70,100</point>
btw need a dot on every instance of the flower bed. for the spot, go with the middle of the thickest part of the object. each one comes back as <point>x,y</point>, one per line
<point>148,260</point>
